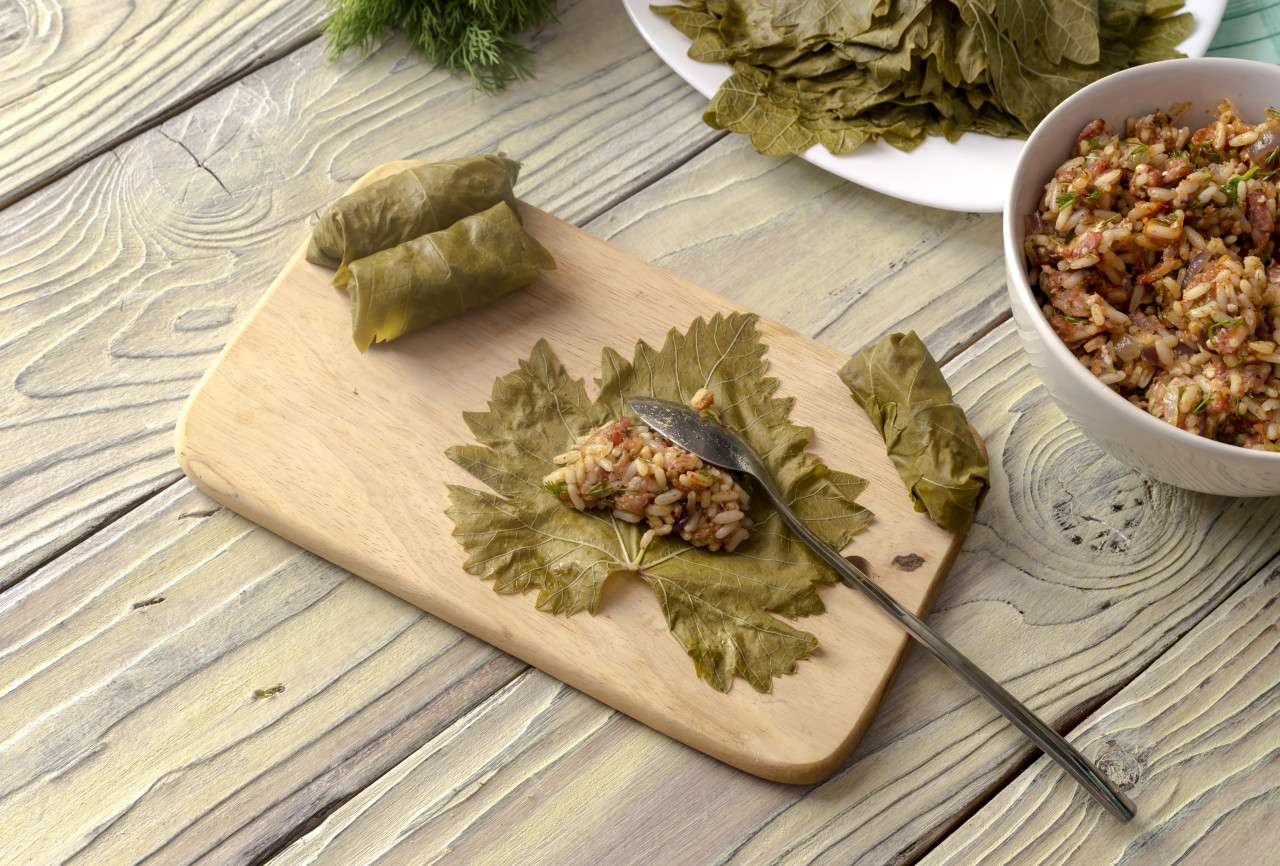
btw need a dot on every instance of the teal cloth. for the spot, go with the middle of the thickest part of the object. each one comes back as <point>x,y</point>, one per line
<point>1249,29</point>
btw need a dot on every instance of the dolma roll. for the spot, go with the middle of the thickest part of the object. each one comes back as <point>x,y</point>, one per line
<point>940,458</point>
<point>476,260</point>
<point>407,204</point>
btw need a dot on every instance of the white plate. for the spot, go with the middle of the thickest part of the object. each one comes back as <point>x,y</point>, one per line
<point>971,174</point>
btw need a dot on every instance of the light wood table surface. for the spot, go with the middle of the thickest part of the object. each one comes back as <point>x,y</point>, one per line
<point>158,162</point>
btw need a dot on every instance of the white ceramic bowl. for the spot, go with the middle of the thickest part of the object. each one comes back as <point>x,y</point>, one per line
<point>1150,446</point>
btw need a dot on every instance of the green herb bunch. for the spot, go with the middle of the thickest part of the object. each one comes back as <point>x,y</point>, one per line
<point>471,36</point>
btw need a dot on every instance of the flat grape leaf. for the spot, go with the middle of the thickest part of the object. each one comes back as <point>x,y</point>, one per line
<point>841,72</point>
<point>780,119</point>
<point>1159,38</point>
<point>722,608</point>
<point>1060,28</point>
<point>776,126</point>
<point>702,27</point>
<point>815,22</point>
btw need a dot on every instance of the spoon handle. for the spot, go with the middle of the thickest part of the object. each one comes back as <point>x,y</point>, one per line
<point>1028,722</point>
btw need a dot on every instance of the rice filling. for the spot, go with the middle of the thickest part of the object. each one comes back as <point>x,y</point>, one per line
<point>640,476</point>
<point>1153,255</point>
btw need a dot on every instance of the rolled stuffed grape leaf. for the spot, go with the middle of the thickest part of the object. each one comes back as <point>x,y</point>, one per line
<point>899,386</point>
<point>407,204</point>
<point>722,608</point>
<point>476,260</point>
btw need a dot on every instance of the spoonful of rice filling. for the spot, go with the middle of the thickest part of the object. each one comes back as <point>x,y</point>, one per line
<point>640,476</point>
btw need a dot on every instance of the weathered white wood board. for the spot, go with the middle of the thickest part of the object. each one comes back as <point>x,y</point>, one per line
<point>128,671</point>
<point>1078,575</point>
<point>120,283</point>
<point>1057,593</point>
<point>1196,742</point>
<point>77,76</point>
<point>827,258</point>
<point>344,454</point>
<point>544,774</point>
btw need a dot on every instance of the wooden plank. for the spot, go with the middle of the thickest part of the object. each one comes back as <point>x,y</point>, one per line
<point>543,774</point>
<point>819,255</point>
<point>77,77</point>
<point>1196,742</point>
<point>120,283</point>
<point>295,429</point>
<point>110,377</point>
<point>1078,576</point>
<point>187,685</point>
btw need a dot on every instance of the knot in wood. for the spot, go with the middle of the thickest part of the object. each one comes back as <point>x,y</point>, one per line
<point>1122,767</point>
<point>908,562</point>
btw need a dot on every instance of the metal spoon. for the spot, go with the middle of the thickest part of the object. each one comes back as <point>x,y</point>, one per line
<point>723,447</point>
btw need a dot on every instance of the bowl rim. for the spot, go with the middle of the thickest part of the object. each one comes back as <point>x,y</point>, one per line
<point>1019,284</point>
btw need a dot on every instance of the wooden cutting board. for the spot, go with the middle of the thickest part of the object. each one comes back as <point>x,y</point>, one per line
<point>344,454</point>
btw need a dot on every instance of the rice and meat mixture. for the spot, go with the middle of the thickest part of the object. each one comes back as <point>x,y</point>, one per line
<point>1153,254</point>
<point>639,475</point>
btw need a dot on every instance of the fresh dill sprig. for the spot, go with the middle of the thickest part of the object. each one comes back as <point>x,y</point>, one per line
<point>464,37</point>
<point>1201,151</point>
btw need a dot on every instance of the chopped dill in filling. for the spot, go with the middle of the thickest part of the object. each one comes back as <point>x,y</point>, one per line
<point>1153,252</point>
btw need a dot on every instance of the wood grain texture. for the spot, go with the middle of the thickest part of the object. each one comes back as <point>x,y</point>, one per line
<point>526,778</point>
<point>1058,593</point>
<point>827,258</point>
<point>118,285</point>
<point>295,429</point>
<point>186,685</point>
<point>1077,576</point>
<point>121,282</point>
<point>1196,742</point>
<point>75,77</point>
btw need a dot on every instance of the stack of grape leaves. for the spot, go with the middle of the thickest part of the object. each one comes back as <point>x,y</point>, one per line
<point>841,72</point>
<point>719,606</point>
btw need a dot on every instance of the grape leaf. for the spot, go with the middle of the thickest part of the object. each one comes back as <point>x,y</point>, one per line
<point>722,608</point>
<point>900,387</point>
<point>1060,28</point>
<point>427,279</point>
<point>841,72</point>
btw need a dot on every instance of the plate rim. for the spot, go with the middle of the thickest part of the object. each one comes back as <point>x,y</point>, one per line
<point>876,165</point>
